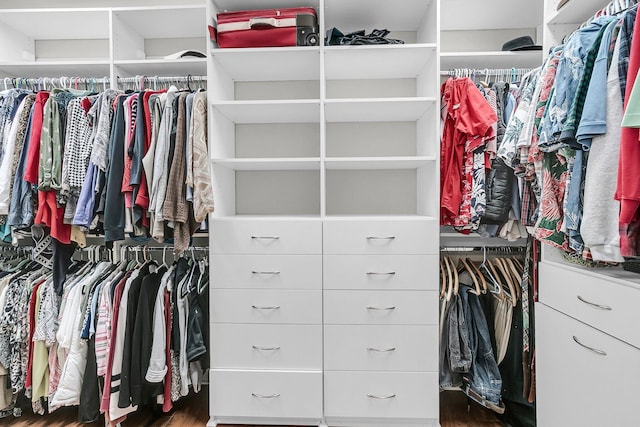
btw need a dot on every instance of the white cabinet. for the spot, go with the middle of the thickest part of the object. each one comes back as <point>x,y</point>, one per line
<point>587,345</point>
<point>115,39</point>
<point>325,164</point>
<point>584,377</point>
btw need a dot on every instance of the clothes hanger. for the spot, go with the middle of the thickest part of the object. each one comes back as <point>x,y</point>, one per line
<point>479,275</point>
<point>484,267</point>
<point>517,278</point>
<point>474,279</point>
<point>507,277</point>
<point>450,280</point>
<point>443,283</point>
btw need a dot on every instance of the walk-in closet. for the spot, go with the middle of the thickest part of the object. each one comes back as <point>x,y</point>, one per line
<point>332,213</point>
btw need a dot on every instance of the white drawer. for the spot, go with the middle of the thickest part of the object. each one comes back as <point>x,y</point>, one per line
<point>381,307</point>
<point>296,347</point>
<point>579,294</point>
<point>267,271</point>
<point>381,395</point>
<point>266,236</point>
<point>381,348</point>
<point>381,272</point>
<point>364,236</point>
<point>266,306</point>
<point>577,386</point>
<point>264,394</point>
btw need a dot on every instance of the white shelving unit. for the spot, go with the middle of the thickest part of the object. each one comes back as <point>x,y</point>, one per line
<point>107,41</point>
<point>328,155</point>
<point>584,317</point>
<point>473,33</point>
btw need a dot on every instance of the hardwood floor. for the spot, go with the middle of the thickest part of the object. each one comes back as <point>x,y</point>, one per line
<point>194,411</point>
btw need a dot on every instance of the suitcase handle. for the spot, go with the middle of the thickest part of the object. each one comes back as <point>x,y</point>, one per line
<point>262,22</point>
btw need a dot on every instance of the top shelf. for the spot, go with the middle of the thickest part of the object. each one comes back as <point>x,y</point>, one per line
<point>405,15</point>
<point>574,11</point>
<point>52,24</point>
<point>464,15</point>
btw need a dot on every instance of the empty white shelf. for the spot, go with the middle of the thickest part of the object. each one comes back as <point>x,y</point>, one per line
<point>59,23</point>
<point>367,15</point>
<point>162,67</point>
<point>288,111</point>
<point>303,163</point>
<point>378,162</point>
<point>378,62</point>
<point>77,68</point>
<point>496,59</point>
<point>269,63</point>
<point>158,21</point>
<point>377,109</point>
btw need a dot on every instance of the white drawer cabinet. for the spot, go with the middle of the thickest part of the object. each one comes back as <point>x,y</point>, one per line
<point>380,307</point>
<point>381,272</point>
<point>266,236</point>
<point>584,377</point>
<point>267,271</point>
<point>406,236</point>
<point>261,395</point>
<point>266,306</point>
<point>380,348</point>
<point>599,301</point>
<point>297,347</point>
<point>381,395</point>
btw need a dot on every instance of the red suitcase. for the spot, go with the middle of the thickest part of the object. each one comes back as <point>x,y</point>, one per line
<point>267,28</point>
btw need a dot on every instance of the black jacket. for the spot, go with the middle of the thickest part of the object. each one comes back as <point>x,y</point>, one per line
<point>499,186</point>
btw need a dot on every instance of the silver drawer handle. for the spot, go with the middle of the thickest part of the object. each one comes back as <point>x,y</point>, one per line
<point>265,396</point>
<point>257,347</point>
<point>381,350</point>
<point>373,273</point>
<point>594,350</point>
<point>601,307</point>
<point>273,273</point>
<point>273,307</point>
<point>381,237</point>
<point>369,307</point>
<point>373,396</point>
<point>266,237</point>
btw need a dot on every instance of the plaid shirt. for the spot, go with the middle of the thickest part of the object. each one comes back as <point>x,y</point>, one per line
<point>626,36</point>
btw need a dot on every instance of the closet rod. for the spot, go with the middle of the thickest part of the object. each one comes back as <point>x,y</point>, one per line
<point>613,8</point>
<point>73,82</point>
<point>487,72</point>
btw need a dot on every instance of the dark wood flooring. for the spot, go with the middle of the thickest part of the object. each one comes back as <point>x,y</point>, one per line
<point>194,411</point>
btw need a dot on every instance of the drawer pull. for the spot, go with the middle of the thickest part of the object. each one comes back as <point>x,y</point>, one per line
<point>594,350</point>
<point>601,307</point>
<point>373,273</point>
<point>381,350</point>
<point>273,273</point>
<point>273,307</point>
<point>381,237</point>
<point>369,307</point>
<point>266,237</point>
<point>374,396</point>
<point>257,347</point>
<point>265,396</point>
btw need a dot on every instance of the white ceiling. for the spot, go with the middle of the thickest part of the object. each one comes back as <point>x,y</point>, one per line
<point>490,14</point>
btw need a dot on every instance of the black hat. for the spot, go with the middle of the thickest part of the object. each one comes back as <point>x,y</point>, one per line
<point>520,43</point>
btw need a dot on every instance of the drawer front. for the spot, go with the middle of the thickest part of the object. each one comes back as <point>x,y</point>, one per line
<point>381,395</point>
<point>294,347</point>
<point>380,272</point>
<point>384,237</point>
<point>264,394</point>
<point>381,307</point>
<point>266,237</point>
<point>381,348</point>
<point>579,295</point>
<point>267,271</point>
<point>577,386</point>
<point>266,306</point>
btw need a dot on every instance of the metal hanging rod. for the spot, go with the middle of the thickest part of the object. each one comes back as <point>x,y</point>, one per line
<point>74,82</point>
<point>512,73</point>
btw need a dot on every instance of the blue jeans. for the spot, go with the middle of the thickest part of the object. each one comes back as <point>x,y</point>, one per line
<point>484,377</point>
